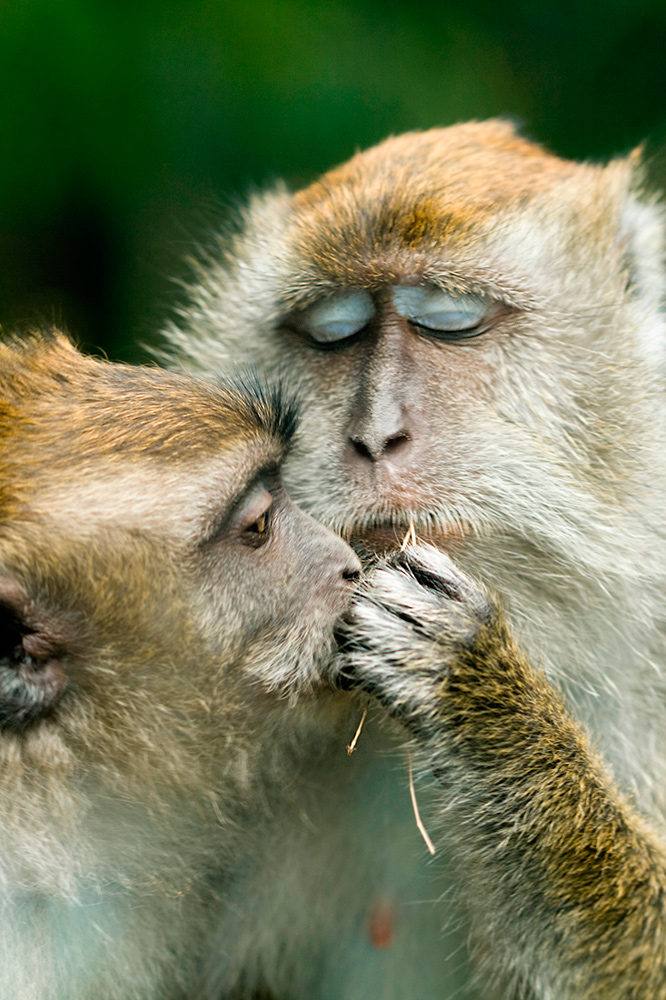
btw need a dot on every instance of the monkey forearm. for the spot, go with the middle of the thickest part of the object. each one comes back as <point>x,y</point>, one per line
<point>579,880</point>
<point>567,883</point>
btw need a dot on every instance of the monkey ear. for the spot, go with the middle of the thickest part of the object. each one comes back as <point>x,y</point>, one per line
<point>642,236</point>
<point>33,647</point>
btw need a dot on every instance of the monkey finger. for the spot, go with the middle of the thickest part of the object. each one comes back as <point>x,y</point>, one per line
<point>435,570</point>
<point>402,675</point>
<point>420,611</point>
<point>389,656</point>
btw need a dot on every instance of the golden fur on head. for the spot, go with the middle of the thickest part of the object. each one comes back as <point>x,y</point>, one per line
<point>42,374</point>
<point>58,403</point>
<point>427,193</point>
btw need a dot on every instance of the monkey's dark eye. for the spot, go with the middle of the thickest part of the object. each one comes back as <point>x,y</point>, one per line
<point>255,518</point>
<point>260,526</point>
<point>441,314</point>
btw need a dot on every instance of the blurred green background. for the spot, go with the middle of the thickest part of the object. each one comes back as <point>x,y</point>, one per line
<point>128,126</point>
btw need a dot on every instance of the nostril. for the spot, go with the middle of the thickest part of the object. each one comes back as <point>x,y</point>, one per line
<point>362,449</point>
<point>385,447</point>
<point>396,443</point>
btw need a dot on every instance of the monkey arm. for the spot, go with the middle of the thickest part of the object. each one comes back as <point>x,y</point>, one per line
<point>566,883</point>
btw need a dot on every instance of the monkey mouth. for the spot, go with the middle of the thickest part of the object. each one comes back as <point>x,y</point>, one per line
<point>384,537</point>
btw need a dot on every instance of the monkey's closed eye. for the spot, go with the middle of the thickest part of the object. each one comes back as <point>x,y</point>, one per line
<point>441,314</point>
<point>335,318</point>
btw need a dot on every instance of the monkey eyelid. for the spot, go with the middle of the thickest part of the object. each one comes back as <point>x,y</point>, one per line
<point>254,501</point>
<point>334,318</point>
<point>256,523</point>
<point>433,309</point>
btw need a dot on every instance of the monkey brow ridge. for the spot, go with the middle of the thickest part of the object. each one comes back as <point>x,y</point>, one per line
<point>272,406</point>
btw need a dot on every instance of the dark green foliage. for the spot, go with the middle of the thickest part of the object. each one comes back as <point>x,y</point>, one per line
<point>124,125</point>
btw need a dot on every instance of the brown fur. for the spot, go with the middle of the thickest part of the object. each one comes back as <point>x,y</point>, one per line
<point>144,706</point>
<point>560,847</point>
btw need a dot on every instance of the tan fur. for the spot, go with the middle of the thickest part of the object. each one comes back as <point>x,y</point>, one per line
<point>565,878</point>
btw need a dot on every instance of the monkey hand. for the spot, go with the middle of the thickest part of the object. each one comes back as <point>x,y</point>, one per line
<point>416,625</point>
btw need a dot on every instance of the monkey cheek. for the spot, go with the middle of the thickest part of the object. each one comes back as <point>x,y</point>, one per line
<point>30,690</point>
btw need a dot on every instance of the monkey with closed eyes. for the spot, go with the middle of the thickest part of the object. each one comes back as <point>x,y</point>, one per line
<point>165,615</point>
<point>477,330</point>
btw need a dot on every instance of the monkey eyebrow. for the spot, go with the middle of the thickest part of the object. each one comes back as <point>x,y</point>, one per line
<point>271,406</point>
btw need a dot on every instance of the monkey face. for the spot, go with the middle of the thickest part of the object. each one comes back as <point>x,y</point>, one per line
<point>281,584</point>
<point>386,457</point>
<point>439,406</point>
<point>152,566</point>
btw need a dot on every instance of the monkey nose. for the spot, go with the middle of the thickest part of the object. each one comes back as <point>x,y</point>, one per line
<point>352,570</point>
<point>367,448</point>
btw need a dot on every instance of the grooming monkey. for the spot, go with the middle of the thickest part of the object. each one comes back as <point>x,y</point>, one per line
<point>476,328</point>
<point>164,611</point>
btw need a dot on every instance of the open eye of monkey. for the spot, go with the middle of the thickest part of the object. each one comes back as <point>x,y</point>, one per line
<point>250,520</point>
<point>255,515</point>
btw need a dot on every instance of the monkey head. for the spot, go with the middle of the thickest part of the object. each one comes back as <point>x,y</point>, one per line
<point>474,326</point>
<point>156,583</point>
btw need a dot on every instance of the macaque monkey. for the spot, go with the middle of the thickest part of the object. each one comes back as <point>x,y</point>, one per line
<point>165,611</point>
<point>475,326</point>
